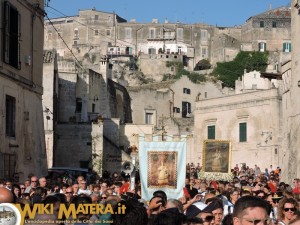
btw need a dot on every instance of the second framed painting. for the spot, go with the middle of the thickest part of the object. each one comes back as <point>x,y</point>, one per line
<point>216,156</point>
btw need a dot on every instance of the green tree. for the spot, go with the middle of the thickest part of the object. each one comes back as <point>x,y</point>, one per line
<point>179,68</point>
<point>228,72</point>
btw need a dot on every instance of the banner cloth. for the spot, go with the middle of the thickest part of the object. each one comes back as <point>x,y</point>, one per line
<point>162,167</point>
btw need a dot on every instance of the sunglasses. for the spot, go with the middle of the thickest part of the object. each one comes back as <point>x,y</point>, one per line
<point>289,209</point>
<point>103,197</point>
<point>69,192</point>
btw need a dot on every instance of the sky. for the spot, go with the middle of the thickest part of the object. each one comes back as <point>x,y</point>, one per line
<point>212,12</point>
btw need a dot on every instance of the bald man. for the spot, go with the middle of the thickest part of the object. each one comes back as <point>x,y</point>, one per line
<point>6,196</point>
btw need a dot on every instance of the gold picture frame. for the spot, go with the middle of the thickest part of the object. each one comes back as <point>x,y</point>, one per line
<point>216,159</point>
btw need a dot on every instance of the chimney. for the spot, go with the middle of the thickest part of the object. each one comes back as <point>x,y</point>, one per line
<point>154,20</point>
<point>105,70</point>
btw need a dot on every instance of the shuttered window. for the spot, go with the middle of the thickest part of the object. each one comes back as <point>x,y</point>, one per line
<point>243,132</point>
<point>287,47</point>
<point>211,132</point>
<point>11,45</point>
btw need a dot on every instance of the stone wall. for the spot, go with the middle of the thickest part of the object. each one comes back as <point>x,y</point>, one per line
<point>79,145</point>
<point>291,109</point>
<point>261,110</point>
<point>154,66</point>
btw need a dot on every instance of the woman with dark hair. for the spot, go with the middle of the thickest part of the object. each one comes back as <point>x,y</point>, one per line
<point>287,210</point>
<point>234,195</point>
<point>16,190</point>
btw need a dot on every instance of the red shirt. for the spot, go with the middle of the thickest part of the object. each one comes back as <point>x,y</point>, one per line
<point>296,190</point>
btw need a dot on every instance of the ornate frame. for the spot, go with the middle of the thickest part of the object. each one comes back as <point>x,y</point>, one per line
<point>216,165</point>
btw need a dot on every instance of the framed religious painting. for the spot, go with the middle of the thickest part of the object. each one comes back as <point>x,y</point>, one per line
<point>216,160</point>
<point>162,169</point>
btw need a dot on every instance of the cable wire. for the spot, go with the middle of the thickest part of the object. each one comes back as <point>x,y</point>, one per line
<point>65,43</point>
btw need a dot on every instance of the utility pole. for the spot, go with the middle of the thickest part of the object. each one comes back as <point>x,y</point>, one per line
<point>136,39</point>
<point>163,128</point>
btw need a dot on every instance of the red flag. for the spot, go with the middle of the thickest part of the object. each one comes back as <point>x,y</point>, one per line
<point>186,193</point>
<point>124,188</point>
<point>214,183</point>
<point>272,187</point>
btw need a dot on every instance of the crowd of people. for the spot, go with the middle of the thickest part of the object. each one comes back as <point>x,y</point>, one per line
<point>253,197</point>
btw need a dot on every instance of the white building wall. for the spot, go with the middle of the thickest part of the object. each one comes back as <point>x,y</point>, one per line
<point>260,110</point>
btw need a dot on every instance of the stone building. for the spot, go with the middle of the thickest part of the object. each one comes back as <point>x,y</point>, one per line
<point>169,106</point>
<point>22,143</point>
<point>80,105</point>
<point>250,119</point>
<point>269,31</point>
<point>291,104</point>
<point>97,33</point>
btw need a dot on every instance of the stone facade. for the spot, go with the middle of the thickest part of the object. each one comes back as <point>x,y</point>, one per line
<point>259,110</point>
<point>291,109</point>
<point>94,34</point>
<point>79,106</point>
<point>50,100</point>
<point>22,143</point>
<point>169,99</point>
<point>269,31</point>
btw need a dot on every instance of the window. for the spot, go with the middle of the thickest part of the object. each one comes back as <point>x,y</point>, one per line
<point>151,51</point>
<point>96,32</point>
<point>204,52</point>
<point>186,109</point>
<point>107,32</point>
<point>78,105</point>
<point>243,132</point>
<point>76,33</point>
<point>75,43</point>
<point>203,35</point>
<point>179,50</point>
<point>96,17</point>
<point>10,116</point>
<point>262,46</point>
<point>128,33</point>
<point>149,118</point>
<point>151,33</point>
<point>176,110</point>
<point>211,132</point>
<point>274,24</point>
<point>93,107</point>
<point>8,163</point>
<point>11,46</point>
<point>187,91</point>
<point>261,24</point>
<point>287,47</point>
<point>179,33</point>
